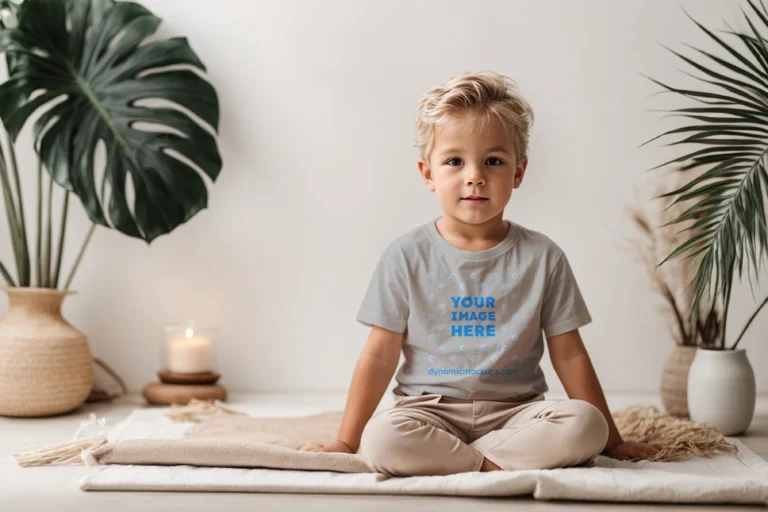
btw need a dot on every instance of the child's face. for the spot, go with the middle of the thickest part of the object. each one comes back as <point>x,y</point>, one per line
<point>466,162</point>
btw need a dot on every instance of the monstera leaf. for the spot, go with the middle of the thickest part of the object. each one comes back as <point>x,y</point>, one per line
<point>82,65</point>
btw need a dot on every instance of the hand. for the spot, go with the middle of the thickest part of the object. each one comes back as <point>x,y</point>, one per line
<point>333,446</point>
<point>630,450</point>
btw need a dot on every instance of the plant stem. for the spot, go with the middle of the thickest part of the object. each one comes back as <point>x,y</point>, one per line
<point>10,210</point>
<point>725,315</point>
<point>48,235</point>
<point>80,256</point>
<point>711,316</point>
<point>6,275</point>
<point>22,222</point>
<point>749,322</point>
<point>673,303</point>
<point>62,230</point>
<point>39,266</point>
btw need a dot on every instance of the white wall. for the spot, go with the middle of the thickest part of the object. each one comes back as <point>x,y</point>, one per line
<point>317,100</point>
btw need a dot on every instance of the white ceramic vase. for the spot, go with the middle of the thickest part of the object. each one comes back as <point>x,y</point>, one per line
<point>721,390</point>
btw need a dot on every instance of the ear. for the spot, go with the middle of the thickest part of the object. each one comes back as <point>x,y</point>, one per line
<point>520,172</point>
<point>426,175</point>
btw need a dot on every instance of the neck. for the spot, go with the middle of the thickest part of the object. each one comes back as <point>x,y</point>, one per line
<point>475,237</point>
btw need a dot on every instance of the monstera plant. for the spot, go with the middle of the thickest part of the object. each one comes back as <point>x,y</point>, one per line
<point>79,67</point>
<point>86,74</point>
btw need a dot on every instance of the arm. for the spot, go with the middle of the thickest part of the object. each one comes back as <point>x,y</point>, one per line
<point>574,368</point>
<point>373,372</point>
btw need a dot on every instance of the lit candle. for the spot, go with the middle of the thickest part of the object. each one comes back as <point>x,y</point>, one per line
<point>190,354</point>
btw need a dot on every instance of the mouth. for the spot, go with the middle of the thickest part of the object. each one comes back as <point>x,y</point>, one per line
<point>475,199</point>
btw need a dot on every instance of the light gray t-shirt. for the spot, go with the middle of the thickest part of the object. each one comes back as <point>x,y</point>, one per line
<point>473,320</point>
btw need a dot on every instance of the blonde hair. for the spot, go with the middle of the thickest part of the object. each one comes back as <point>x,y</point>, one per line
<point>487,94</point>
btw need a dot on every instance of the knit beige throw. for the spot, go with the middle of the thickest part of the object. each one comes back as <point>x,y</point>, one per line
<point>229,438</point>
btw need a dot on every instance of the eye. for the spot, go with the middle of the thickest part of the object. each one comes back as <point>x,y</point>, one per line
<point>497,160</point>
<point>453,160</point>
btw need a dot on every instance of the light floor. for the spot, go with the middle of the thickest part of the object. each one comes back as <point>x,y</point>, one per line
<point>54,488</point>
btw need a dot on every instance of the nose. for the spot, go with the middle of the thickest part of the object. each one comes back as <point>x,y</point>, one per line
<point>474,177</point>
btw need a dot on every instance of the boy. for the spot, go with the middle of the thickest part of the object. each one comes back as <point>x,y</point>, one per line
<point>466,297</point>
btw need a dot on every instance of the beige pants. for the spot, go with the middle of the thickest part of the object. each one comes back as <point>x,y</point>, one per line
<point>436,435</point>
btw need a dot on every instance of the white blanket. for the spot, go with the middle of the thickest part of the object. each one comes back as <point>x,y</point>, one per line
<point>742,478</point>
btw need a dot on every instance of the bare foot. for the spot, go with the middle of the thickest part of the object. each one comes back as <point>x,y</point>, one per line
<point>489,466</point>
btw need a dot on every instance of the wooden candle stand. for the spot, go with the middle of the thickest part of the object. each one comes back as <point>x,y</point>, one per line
<point>180,388</point>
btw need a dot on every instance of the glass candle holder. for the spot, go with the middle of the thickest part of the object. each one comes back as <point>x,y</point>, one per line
<point>189,348</point>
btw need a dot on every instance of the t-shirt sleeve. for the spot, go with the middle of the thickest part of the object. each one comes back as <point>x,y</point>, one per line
<point>386,301</point>
<point>563,308</point>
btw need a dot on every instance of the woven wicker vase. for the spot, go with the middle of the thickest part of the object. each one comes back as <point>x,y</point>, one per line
<point>674,380</point>
<point>46,366</point>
